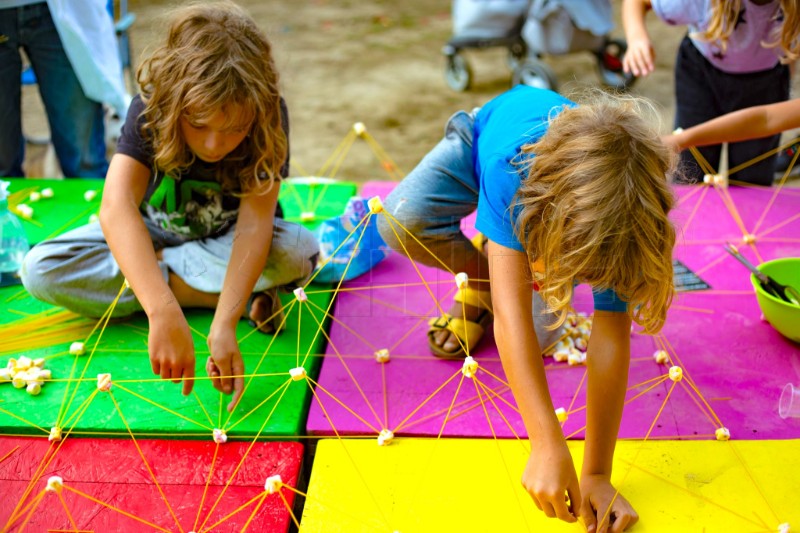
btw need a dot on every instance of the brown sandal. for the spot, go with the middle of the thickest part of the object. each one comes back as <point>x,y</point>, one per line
<point>468,332</point>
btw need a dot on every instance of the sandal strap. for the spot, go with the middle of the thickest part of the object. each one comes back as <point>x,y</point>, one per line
<point>469,333</point>
<point>475,298</point>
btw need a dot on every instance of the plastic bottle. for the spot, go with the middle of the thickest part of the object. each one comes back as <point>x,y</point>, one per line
<point>13,241</point>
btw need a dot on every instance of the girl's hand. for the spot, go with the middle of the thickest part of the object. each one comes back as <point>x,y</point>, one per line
<point>171,347</point>
<point>598,496</point>
<point>225,361</point>
<point>639,59</point>
<point>551,481</point>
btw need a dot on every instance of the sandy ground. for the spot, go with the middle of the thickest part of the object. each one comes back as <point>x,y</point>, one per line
<point>378,62</point>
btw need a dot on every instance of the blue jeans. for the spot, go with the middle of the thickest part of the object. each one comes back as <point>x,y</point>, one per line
<point>431,202</point>
<point>76,122</point>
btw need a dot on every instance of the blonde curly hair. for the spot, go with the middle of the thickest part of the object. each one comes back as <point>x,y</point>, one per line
<point>725,13</point>
<point>215,59</point>
<point>594,206</point>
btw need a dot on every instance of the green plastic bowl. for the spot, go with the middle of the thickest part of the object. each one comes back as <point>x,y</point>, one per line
<point>783,316</point>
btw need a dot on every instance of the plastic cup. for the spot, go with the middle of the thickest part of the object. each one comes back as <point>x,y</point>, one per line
<point>789,404</point>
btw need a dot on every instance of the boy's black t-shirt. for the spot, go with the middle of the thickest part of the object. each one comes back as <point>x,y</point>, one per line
<point>193,204</point>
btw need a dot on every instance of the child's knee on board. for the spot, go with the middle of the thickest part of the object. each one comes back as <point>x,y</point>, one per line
<point>38,273</point>
<point>405,219</point>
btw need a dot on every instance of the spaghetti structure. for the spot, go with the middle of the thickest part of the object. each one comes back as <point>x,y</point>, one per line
<point>473,388</point>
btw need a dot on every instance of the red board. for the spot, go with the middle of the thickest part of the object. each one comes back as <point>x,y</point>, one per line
<point>120,474</point>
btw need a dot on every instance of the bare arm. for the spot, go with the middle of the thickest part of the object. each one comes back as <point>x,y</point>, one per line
<point>640,56</point>
<point>750,123</point>
<point>550,473</point>
<point>169,340</point>
<point>608,359</point>
<point>251,246</point>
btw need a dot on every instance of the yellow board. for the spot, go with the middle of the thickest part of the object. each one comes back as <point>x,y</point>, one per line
<point>471,485</point>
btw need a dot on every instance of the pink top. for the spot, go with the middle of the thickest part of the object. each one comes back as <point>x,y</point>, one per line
<point>746,51</point>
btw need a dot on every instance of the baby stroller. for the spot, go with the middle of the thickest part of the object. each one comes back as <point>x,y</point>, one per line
<point>529,29</point>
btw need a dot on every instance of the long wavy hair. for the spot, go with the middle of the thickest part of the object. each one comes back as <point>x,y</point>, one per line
<point>725,13</point>
<point>593,206</point>
<point>215,58</point>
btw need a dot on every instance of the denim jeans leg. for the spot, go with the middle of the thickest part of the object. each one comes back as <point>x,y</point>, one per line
<point>12,144</point>
<point>432,200</point>
<point>76,122</point>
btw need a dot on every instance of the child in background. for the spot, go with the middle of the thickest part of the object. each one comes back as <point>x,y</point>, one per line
<point>189,210</point>
<point>735,56</point>
<point>564,194</point>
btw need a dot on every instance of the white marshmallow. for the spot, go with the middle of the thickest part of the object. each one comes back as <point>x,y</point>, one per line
<point>661,357</point>
<point>25,211</point>
<point>298,373</point>
<point>722,434</point>
<point>300,294</point>
<point>219,436</point>
<point>382,355</point>
<point>47,193</point>
<point>561,414</point>
<point>77,348</point>
<point>273,484</point>
<point>89,195</point>
<point>470,367</point>
<point>561,355</point>
<point>462,280</point>
<point>375,205</point>
<point>55,484</point>
<point>104,382</point>
<point>675,373</point>
<point>385,437</point>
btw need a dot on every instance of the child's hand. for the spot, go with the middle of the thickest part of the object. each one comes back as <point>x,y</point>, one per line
<point>598,495</point>
<point>172,349</point>
<point>549,477</point>
<point>672,142</point>
<point>225,361</point>
<point>639,58</point>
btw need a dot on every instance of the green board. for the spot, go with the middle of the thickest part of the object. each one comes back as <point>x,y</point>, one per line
<point>310,200</point>
<point>66,210</point>
<point>317,198</point>
<point>273,405</point>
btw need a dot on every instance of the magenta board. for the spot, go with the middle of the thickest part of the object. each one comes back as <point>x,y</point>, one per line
<point>736,362</point>
<point>146,485</point>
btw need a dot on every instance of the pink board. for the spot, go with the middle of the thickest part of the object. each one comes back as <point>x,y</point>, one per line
<point>114,472</point>
<point>737,362</point>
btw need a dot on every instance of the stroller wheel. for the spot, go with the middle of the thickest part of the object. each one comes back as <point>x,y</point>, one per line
<point>457,73</point>
<point>535,73</point>
<point>609,64</point>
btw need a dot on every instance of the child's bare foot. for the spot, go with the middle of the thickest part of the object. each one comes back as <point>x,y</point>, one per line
<point>264,311</point>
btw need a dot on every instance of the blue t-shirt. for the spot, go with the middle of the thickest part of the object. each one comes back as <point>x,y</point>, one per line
<point>509,121</point>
